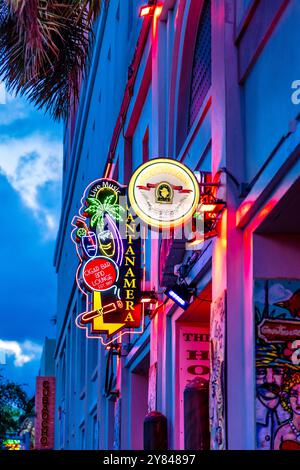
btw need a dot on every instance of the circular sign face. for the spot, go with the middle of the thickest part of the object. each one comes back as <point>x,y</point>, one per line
<point>164,193</point>
<point>100,273</point>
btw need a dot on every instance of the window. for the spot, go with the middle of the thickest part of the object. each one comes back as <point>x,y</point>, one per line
<point>118,12</point>
<point>95,433</point>
<point>62,417</point>
<point>82,438</point>
<point>81,338</point>
<point>201,72</point>
<point>116,170</point>
<point>93,354</point>
<point>63,375</point>
<point>82,357</point>
<point>130,18</point>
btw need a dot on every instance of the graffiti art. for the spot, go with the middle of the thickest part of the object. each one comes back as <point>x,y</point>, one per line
<point>277,325</point>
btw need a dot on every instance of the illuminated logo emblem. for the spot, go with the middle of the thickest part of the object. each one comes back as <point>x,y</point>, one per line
<point>164,193</point>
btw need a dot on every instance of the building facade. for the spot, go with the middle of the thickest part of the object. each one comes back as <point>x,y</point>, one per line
<point>213,84</point>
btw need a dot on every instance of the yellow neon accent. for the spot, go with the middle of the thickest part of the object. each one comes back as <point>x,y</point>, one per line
<point>146,218</point>
<point>98,323</point>
<point>97,302</point>
<point>111,190</point>
<point>109,246</point>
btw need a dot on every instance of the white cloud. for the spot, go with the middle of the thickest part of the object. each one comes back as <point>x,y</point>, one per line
<point>2,94</point>
<point>12,108</point>
<point>29,164</point>
<point>22,352</point>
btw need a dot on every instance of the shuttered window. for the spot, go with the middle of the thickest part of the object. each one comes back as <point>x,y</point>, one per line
<point>201,73</point>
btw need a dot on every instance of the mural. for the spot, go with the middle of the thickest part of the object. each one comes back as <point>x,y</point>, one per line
<point>217,377</point>
<point>152,387</point>
<point>277,325</point>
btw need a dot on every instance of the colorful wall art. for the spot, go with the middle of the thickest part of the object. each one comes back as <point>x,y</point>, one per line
<point>217,377</point>
<point>277,326</point>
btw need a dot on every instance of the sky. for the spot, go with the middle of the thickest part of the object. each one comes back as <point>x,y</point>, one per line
<point>30,195</point>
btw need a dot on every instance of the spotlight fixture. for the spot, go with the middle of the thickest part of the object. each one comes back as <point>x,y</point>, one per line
<point>180,294</point>
<point>114,348</point>
<point>209,209</point>
<point>149,297</point>
<point>196,238</point>
<point>147,10</point>
<point>196,242</point>
<point>209,203</point>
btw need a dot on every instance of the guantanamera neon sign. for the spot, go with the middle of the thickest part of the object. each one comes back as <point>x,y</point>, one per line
<point>109,272</point>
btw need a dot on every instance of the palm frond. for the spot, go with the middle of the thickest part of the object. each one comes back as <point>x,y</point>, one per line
<point>93,201</point>
<point>44,47</point>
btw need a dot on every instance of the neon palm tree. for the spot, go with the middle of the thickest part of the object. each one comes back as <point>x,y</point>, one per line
<point>97,211</point>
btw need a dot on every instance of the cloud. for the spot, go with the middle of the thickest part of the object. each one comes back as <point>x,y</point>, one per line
<point>33,166</point>
<point>12,109</point>
<point>2,94</point>
<point>22,352</point>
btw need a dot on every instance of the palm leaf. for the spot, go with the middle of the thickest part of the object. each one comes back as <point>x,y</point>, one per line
<point>93,201</point>
<point>44,49</point>
<point>108,200</point>
<point>90,210</point>
<point>95,219</point>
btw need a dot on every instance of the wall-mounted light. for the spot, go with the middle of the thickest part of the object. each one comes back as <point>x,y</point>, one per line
<point>195,242</point>
<point>149,297</point>
<point>180,294</point>
<point>115,349</point>
<point>209,202</point>
<point>147,10</point>
<point>209,209</point>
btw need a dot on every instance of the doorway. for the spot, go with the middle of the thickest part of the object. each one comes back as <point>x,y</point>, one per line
<point>139,381</point>
<point>192,360</point>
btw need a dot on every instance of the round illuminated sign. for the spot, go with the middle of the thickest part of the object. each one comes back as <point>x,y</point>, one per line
<point>164,193</point>
<point>100,273</point>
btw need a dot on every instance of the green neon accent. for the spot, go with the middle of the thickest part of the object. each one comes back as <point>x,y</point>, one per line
<point>81,232</point>
<point>97,210</point>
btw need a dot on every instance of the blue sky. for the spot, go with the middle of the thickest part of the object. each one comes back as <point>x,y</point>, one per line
<point>30,194</point>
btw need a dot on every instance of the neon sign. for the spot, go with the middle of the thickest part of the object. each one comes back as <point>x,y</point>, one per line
<point>12,444</point>
<point>164,193</point>
<point>45,413</point>
<point>109,272</point>
<point>100,274</point>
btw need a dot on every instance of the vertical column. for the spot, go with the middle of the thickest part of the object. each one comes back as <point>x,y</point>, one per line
<point>158,85</point>
<point>227,263</point>
<point>158,136</point>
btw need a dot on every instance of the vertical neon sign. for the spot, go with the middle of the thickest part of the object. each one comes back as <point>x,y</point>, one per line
<point>109,272</point>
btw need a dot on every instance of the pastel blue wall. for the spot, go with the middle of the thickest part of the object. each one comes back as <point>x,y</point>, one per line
<point>268,108</point>
<point>98,109</point>
<point>241,8</point>
<point>77,361</point>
